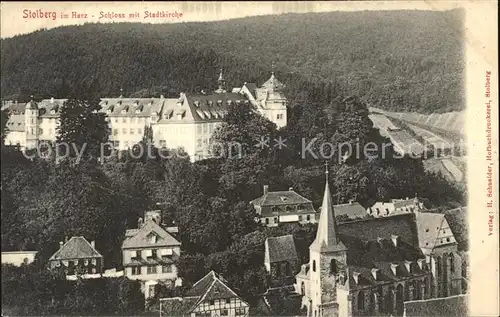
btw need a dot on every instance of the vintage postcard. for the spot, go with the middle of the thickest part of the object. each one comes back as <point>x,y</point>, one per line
<point>302,158</point>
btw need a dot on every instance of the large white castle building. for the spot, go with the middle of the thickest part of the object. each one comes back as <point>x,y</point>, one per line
<point>186,122</point>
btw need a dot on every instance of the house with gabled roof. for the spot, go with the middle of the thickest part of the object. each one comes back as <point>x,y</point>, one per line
<point>395,206</point>
<point>278,207</point>
<point>210,296</point>
<point>77,256</point>
<point>281,259</point>
<point>150,254</point>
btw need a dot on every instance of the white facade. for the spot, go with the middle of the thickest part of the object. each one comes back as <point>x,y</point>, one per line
<point>187,122</point>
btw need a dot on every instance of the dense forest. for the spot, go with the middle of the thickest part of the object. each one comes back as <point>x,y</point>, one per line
<point>395,60</point>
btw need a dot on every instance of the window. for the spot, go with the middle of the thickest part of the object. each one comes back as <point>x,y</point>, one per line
<point>138,254</point>
<point>452,264</point>
<point>126,144</point>
<point>228,301</point>
<point>224,312</point>
<point>279,116</point>
<point>308,217</point>
<point>314,265</point>
<point>116,120</point>
<point>136,270</point>
<point>166,268</point>
<point>152,239</point>
<point>198,142</point>
<point>300,217</point>
<point>124,120</point>
<point>151,269</point>
<point>275,219</point>
<point>139,131</point>
<point>115,131</point>
<point>124,131</point>
<point>151,290</point>
<point>267,221</point>
<point>211,303</point>
<point>163,143</point>
<point>240,311</point>
<point>132,131</point>
<point>361,301</point>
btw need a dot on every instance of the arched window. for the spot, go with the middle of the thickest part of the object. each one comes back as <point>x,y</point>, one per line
<point>302,288</point>
<point>452,263</point>
<point>361,301</point>
<point>267,221</point>
<point>333,266</point>
<point>314,265</point>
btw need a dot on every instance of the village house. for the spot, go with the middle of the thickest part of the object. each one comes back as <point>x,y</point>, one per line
<point>281,260</point>
<point>18,258</point>
<point>150,254</point>
<point>210,296</point>
<point>186,122</point>
<point>77,257</point>
<point>278,207</point>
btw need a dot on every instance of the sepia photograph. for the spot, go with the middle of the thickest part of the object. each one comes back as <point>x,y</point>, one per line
<point>305,158</point>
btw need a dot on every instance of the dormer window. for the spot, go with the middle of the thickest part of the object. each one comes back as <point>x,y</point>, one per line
<point>197,103</point>
<point>283,198</point>
<point>207,113</point>
<point>210,102</point>
<point>219,103</point>
<point>139,109</point>
<point>124,110</point>
<point>229,102</point>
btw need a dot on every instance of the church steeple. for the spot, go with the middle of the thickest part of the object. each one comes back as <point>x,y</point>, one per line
<point>327,235</point>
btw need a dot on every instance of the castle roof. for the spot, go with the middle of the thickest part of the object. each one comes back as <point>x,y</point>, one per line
<point>273,83</point>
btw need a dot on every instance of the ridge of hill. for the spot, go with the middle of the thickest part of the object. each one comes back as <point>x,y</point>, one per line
<point>395,60</point>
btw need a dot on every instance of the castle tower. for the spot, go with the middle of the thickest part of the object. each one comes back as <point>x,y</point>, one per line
<point>272,101</point>
<point>31,114</point>
<point>328,260</point>
<point>221,83</point>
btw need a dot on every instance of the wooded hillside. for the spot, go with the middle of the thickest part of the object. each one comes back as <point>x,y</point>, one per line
<point>395,60</point>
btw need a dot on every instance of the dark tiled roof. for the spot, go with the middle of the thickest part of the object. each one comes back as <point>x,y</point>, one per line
<point>281,249</point>
<point>251,87</point>
<point>370,241</point>
<point>353,211</point>
<point>76,248</point>
<point>457,220</point>
<point>280,198</point>
<point>140,239</point>
<point>455,306</point>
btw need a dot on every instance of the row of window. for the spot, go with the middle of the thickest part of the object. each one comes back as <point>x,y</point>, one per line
<point>221,312</point>
<point>129,131</point>
<point>152,269</point>
<point>276,220</point>
<point>205,128</point>
<point>131,120</point>
<point>151,253</point>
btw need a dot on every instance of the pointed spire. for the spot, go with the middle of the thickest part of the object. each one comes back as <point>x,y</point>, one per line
<point>221,78</point>
<point>327,235</point>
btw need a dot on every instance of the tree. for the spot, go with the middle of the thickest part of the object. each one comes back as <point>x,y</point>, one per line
<point>82,128</point>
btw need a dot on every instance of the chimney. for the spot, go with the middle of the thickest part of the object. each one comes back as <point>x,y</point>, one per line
<point>351,201</point>
<point>61,244</point>
<point>395,239</point>
<point>162,97</point>
<point>394,268</point>
<point>52,100</point>
<point>355,276</point>
<point>92,243</point>
<point>140,222</point>
<point>420,263</point>
<point>374,273</point>
<point>408,266</point>
<point>406,198</point>
<point>290,189</point>
<point>266,189</point>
